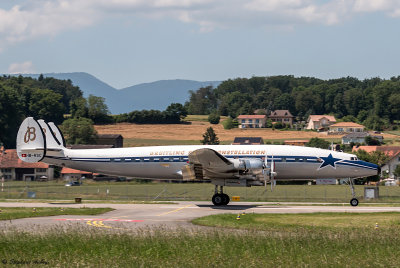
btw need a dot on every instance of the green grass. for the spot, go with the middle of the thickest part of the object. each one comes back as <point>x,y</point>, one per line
<point>201,118</point>
<point>393,132</point>
<point>302,247</point>
<point>132,191</point>
<point>9,213</point>
<point>291,222</point>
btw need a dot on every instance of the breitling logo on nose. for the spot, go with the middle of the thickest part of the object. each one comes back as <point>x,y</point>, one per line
<point>329,161</point>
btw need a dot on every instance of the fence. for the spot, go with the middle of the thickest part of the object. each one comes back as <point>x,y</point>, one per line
<point>188,191</point>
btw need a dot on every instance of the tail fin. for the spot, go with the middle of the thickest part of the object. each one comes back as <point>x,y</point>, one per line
<point>31,141</point>
<point>58,133</point>
<point>53,143</point>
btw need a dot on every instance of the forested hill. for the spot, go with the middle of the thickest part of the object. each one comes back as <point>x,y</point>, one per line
<point>371,101</point>
<point>155,95</point>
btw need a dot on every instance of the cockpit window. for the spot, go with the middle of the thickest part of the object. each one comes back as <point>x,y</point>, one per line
<point>353,158</point>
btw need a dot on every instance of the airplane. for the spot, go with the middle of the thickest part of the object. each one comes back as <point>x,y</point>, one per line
<point>223,165</point>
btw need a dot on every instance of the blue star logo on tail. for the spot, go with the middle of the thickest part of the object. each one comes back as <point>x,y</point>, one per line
<point>329,161</point>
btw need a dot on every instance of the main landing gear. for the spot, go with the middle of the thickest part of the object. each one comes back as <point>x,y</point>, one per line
<point>219,198</point>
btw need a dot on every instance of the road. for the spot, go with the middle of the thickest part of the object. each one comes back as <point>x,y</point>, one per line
<point>132,217</point>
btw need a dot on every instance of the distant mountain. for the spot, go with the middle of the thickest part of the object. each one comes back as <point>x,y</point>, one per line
<point>156,95</point>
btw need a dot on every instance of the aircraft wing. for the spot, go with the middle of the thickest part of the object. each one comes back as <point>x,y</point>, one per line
<point>207,163</point>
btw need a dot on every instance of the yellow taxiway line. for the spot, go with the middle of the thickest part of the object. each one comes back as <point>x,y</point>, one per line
<point>175,210</point>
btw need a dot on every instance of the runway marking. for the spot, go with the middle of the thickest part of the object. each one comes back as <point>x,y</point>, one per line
<point>100,224</point>
<point>172,211</point>
<point>117,220</point>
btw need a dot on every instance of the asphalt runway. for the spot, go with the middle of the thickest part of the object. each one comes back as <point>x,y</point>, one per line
<point>131,217</point>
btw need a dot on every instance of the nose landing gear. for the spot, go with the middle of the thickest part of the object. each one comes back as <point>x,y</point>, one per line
<point>219,198</point>
<point>354,200</point>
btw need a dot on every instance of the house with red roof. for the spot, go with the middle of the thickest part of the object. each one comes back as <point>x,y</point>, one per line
<point>13,168</point>
<point>252,121</point>
<point>70,174</point>
<point>392,151</point>
<point>346,127</point>
<point>320,122</point>
<point>283,116</point>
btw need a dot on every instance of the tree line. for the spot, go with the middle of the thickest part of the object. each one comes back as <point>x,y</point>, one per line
<point>374,102</point>
<point>45,98</point>
<point>61,102</point>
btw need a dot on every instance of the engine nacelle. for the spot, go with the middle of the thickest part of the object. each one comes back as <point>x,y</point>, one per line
<point>246,164</point>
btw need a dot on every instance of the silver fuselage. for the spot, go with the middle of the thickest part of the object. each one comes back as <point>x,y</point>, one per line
<point>166,162</point>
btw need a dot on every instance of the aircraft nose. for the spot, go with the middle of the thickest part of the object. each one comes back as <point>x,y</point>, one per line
<point>370,169</point>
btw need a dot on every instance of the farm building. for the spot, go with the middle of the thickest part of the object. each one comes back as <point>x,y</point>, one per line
<point>13,168</point>
<point>70,174</point>
<point>110,139</point>
<point>391,165</point>
<point>359,137</point>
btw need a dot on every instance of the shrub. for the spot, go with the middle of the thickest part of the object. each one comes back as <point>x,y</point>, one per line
<point>214,118</point>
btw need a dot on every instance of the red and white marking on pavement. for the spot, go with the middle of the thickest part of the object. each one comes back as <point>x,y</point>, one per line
<point>117,220</point>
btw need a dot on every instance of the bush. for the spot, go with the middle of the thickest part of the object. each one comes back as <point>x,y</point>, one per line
<point>279,125</point>
<point>214,118</point>
<point>228,123</point>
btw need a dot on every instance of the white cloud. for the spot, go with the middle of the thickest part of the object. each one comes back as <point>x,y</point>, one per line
<point>21,68</point>
<point>41,18</point>
<point>390,7</point>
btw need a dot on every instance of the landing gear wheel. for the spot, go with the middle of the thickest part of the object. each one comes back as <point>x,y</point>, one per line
<point>225,199</point>
<point>354,202</point>
<point>218,199</point>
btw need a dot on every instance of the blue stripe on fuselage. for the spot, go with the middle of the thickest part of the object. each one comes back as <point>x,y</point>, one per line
<point>184,158</point>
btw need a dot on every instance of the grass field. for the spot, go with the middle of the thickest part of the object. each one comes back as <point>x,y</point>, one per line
<point>10,213</point>
<point>130,191</point>
<point>331,221</point>
<point>290,246</point>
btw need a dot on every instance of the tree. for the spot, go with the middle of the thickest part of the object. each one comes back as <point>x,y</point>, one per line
<point>397,171</point>
<point>376,157</point>
<point>228,123</point>
<point>79,131</point>
<point>11,116</point>
<point>45,104</point>
<point>318,143</point>
<point>98,110</point>
<point>209,137</point>
<point>202,101</point>
<point>372,141</point>
<point>376,123</point>
<point>174,113</point>
<point>214,118</point>
<point>79,108</point>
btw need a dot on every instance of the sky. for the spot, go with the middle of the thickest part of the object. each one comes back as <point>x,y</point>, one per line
<point>127,42</point>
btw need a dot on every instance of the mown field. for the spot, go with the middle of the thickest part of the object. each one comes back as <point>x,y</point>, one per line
<point>191,133</point>
<point>276,244</point>
<point>153,191</point>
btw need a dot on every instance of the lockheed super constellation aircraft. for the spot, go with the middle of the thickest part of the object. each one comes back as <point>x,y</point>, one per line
<point>223,165</point>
